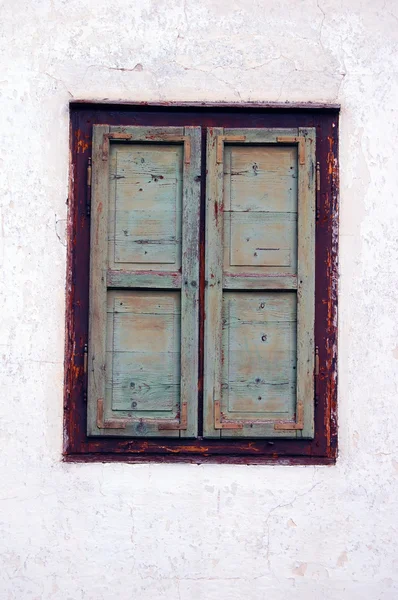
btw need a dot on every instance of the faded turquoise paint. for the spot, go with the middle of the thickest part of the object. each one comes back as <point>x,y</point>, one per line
<point>260,353</point>
<point>145,217</point>
<point>146,200</point>
<point>143,353</point>
<point>259,299</point>
<point>260,204</point>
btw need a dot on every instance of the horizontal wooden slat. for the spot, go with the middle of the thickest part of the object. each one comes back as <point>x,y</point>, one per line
<point>151,134</point>
<point>272,340</point>
<point>146,304</point>
<point>257,370</point>
<point>260,308</point>
<point>143,355</point>
<point>143,279</point>
<point>251,281</point>
<point>261,136</point>
<point>262,398</point>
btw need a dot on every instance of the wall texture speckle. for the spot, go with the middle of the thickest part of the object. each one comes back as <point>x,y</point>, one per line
<point>184,532</point>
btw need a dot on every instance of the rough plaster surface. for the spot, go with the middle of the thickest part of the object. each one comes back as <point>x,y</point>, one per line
<point>185,532</point>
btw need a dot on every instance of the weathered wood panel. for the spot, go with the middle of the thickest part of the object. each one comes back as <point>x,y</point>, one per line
<point>260,178</point>
<point>144,344</point>
<point>261,135</point>
<point>260,208</point>
<point>145,381</point>
<point>254,281</point>
<point>306,284</point>
<point>259,239</point>
<point>190,282</point>
<point>214,287</point>
<point>259,355</point>
<point>145,206</point>
<point>98,281</point>
<point>144,279</point>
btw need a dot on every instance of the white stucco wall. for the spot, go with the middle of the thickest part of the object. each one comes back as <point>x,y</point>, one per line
<point>186,532</point>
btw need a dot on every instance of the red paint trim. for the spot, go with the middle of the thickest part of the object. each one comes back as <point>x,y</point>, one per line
<point>323,449</point>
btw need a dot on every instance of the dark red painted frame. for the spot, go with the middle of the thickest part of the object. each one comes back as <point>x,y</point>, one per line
<point>321,450</point>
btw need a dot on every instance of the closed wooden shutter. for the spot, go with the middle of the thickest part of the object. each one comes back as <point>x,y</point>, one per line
<point>259,298</point>
<point>144,281</point>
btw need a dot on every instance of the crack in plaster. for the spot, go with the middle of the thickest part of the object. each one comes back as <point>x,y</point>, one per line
<point>211,73</point>
<point>388,12</point>
<point>282,505</point>
<point>136,68</point>
<point>62,239</point>
<point>184,8</point>
<point>341,85</point>
<point>322,22</point>
<point>59,81</point>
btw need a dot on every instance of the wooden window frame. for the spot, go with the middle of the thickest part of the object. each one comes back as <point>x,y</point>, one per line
<point>320,450</point>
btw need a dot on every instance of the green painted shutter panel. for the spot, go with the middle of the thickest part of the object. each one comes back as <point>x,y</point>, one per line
<point>260,274</point>
<point>144,273</point>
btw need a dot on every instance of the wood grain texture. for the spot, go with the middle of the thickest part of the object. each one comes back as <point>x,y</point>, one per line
<point>306,284</point>
<point>143,279</point>
<point>145,208</point>
<point>214,280</point>
<point>143,351</point>
<point>260,178</point>
<point>150,134</point>
<point>255,281</point>
<point>260,239</point>
<point>98,283</point>
<point>261,135</point>
<point>190,282</point>
<point>259,355</point>
<point>260,205</point>
<point>259,361</point>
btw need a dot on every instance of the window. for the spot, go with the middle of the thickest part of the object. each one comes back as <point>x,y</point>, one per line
<point>202,306</point>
